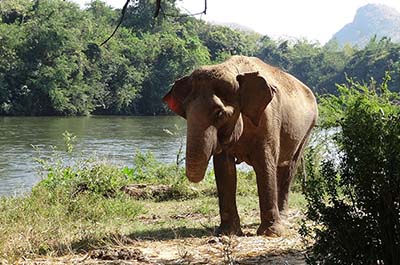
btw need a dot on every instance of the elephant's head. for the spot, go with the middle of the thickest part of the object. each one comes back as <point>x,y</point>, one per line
<point>213,104</point>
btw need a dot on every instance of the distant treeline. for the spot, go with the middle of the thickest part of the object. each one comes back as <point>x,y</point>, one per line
<point>51,62</point>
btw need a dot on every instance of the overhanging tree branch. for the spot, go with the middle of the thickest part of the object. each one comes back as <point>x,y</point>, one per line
<point>119,23</point>
<point>156,13</point>
<point>191,14</point>
<point>204,11</point>
<point>158,8</point>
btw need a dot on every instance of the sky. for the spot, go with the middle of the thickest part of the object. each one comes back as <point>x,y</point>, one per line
<point>315,20</point>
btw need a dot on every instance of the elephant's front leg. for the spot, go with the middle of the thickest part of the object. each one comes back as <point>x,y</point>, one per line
<point>266,173</point>
<point>225,175</point>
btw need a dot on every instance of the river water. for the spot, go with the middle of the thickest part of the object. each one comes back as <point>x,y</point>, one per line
<point>113,138</point>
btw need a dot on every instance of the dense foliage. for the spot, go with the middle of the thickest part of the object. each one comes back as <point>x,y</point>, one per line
<point>51,62</point>
<point>355,203</point>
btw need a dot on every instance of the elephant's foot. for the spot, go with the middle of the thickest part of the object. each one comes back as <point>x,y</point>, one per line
<point>229,229</point>
<point>274,230</point>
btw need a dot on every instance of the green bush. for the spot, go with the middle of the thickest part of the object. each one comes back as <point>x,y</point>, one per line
<point>147,169</point>
<point>97,178</point>
<point>354,201</point>
<point>68,176</point>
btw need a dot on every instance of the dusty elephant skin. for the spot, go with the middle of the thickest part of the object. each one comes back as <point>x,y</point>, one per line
<point>245,110</point>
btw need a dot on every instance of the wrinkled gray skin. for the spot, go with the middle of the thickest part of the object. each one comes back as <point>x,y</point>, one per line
<point>245,110</point>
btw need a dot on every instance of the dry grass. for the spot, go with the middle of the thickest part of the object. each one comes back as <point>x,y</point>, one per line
<point>181,232</point>
<point>73,216</point>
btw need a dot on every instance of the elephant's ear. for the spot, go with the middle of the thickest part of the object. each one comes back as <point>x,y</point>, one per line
<point>255,94</point>
<point>177,95</point>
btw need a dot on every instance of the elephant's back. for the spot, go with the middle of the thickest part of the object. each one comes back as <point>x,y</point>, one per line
<point>295,103</point>
<point>293,91</point>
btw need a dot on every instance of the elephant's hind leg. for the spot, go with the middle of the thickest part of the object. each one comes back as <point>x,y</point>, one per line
<point>285,176</point>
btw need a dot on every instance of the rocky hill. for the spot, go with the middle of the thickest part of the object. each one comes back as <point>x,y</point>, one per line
<point>370,20</point>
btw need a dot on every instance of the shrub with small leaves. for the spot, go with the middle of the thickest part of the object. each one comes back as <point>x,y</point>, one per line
<point>355,203</point>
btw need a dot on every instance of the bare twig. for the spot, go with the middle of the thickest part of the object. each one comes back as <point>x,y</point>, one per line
<point>190,15</point>
<point>119,23</point>
<point>156,13</point>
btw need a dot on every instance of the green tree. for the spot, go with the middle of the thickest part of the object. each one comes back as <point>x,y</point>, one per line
<point>372,62</point>
<point>222,42</point>
<point>171,57</point>
<point>169,48</point>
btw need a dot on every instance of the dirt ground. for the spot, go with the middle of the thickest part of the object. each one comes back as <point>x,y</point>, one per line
<point>249,249</point>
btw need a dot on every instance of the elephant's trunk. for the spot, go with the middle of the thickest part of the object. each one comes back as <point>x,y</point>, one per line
<point>199,148</point>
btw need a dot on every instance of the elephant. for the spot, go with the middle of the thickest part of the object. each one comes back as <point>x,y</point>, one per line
<point>244,110</point>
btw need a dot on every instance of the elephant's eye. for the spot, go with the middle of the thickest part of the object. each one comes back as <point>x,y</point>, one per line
<point>220,114</point>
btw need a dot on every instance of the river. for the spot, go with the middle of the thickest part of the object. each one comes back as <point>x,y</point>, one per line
<point>113,138</point>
